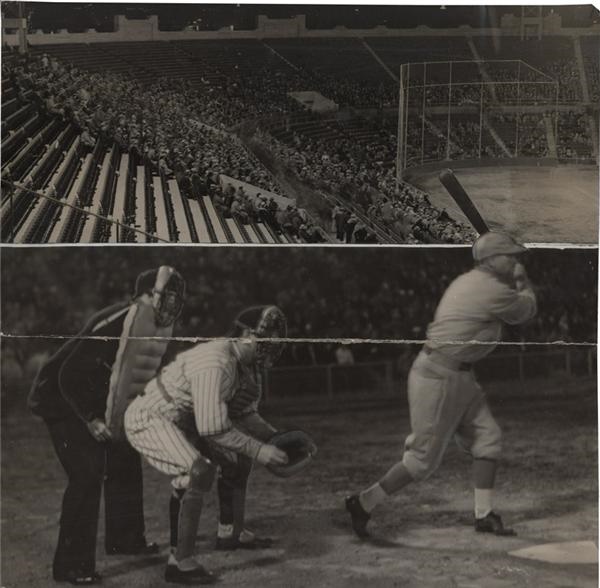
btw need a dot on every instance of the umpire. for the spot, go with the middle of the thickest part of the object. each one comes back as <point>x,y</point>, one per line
<point>70,394</point>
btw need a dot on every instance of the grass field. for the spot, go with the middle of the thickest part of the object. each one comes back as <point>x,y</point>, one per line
<point>547,489</point>
<point>535,204</point>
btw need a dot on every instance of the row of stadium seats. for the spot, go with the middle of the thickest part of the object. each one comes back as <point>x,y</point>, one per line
<point>45,154</point>
<point>216,63</point>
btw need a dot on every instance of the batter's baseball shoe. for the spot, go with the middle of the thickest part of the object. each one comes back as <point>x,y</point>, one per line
<point>194,577</point>
<point>143,549</point>
<point>232,543</point>
<point>360,517</point>
<point>492,523</point>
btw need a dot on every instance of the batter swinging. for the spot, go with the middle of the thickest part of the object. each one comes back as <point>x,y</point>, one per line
<point>444,398</point>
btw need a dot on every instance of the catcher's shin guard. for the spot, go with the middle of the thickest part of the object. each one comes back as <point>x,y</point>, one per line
<point>232,484</point>
<point>201,479</point>
<point>174,508</point>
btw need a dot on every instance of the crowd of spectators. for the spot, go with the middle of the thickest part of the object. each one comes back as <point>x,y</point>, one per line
<point>259,208</point>
<point>357,174</point>
<point>574,141</point>
<point>154,121</point>
<point>499,131</point>
<point>362,293</point>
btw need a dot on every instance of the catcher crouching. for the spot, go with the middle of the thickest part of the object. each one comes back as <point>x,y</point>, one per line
<point>199,417</point>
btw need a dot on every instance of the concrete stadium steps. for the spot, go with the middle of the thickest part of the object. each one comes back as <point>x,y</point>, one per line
<point>182,214</point>
<point>107,202</point>
<point>254,238</point>
<point>91,222</point>
<point>118,212</point>
<point>199,220</point>
<point>140,204</point>
<point>58,234</point>
<point>104,183</point>
<point>162,222</point>
<point>15,215</point>
<point>267,237</point>
<point>235,231</point>
<point>19,166</point>
<point>48,211</point>
<point>10,106</point>
<point>215,220</point>
<point>16,144</point>
<point>17,118</point>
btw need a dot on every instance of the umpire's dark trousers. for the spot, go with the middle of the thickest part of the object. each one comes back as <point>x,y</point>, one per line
<point>123,498</point>
<point>82,458</point>
<point>85,462</point>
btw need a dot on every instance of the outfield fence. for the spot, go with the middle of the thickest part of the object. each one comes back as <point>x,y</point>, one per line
<point>381,380</point>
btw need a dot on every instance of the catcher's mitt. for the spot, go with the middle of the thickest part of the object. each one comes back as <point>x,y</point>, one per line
<point>300,449</point>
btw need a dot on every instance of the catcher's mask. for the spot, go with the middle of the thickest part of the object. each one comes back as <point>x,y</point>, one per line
<point>167,288</point>
<point>262,324</point>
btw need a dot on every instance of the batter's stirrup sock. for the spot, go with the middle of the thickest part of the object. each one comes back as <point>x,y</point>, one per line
<point>372,496</point>
<point>483,502</point>
<point>174,507</point>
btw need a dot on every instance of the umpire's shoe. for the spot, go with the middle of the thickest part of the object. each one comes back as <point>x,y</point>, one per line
<point>492,523</point>
<point>194,577</point>
<point>233,543</point>
<point>360,517</point>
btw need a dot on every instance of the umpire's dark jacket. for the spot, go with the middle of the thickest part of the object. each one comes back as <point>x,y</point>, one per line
<point>76,378</point>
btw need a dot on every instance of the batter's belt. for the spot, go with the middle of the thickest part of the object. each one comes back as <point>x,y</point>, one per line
<point>448,362</point>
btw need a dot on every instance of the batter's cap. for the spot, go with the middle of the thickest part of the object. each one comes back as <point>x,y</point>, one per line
<point>495,243</point>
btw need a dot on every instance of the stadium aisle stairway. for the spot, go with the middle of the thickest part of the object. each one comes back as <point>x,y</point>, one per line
<point>180,210</point>
<point>162,222</point>
<point>59,231</point>
<point>50,211</point>
<point>140,202</point>
<point>215,220</point>
<point>120,196</point>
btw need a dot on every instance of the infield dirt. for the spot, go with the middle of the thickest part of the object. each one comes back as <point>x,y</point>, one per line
<point>423,537</point>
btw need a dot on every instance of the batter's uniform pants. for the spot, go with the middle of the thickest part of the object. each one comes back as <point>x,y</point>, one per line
<point>446,401</point>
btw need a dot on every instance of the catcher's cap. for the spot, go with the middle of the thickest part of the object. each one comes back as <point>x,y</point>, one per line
<point>495,243</point>
<point>300,449</point>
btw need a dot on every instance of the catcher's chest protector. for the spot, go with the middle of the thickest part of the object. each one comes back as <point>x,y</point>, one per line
<point>136,363</point>
<point>248,392</point>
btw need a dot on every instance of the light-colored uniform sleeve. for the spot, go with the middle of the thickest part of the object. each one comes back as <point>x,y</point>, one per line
<point>514,307</point>
<point>210,390</point>
<point>255,425</point>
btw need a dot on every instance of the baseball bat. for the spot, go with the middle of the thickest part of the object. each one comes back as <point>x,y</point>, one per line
<point>458,193</point>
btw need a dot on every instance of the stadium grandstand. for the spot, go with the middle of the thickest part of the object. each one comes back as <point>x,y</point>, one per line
<point>210,124</point>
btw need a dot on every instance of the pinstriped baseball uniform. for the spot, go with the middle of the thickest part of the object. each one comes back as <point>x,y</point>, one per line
<point>445,399</point>
<point>196,394</point>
